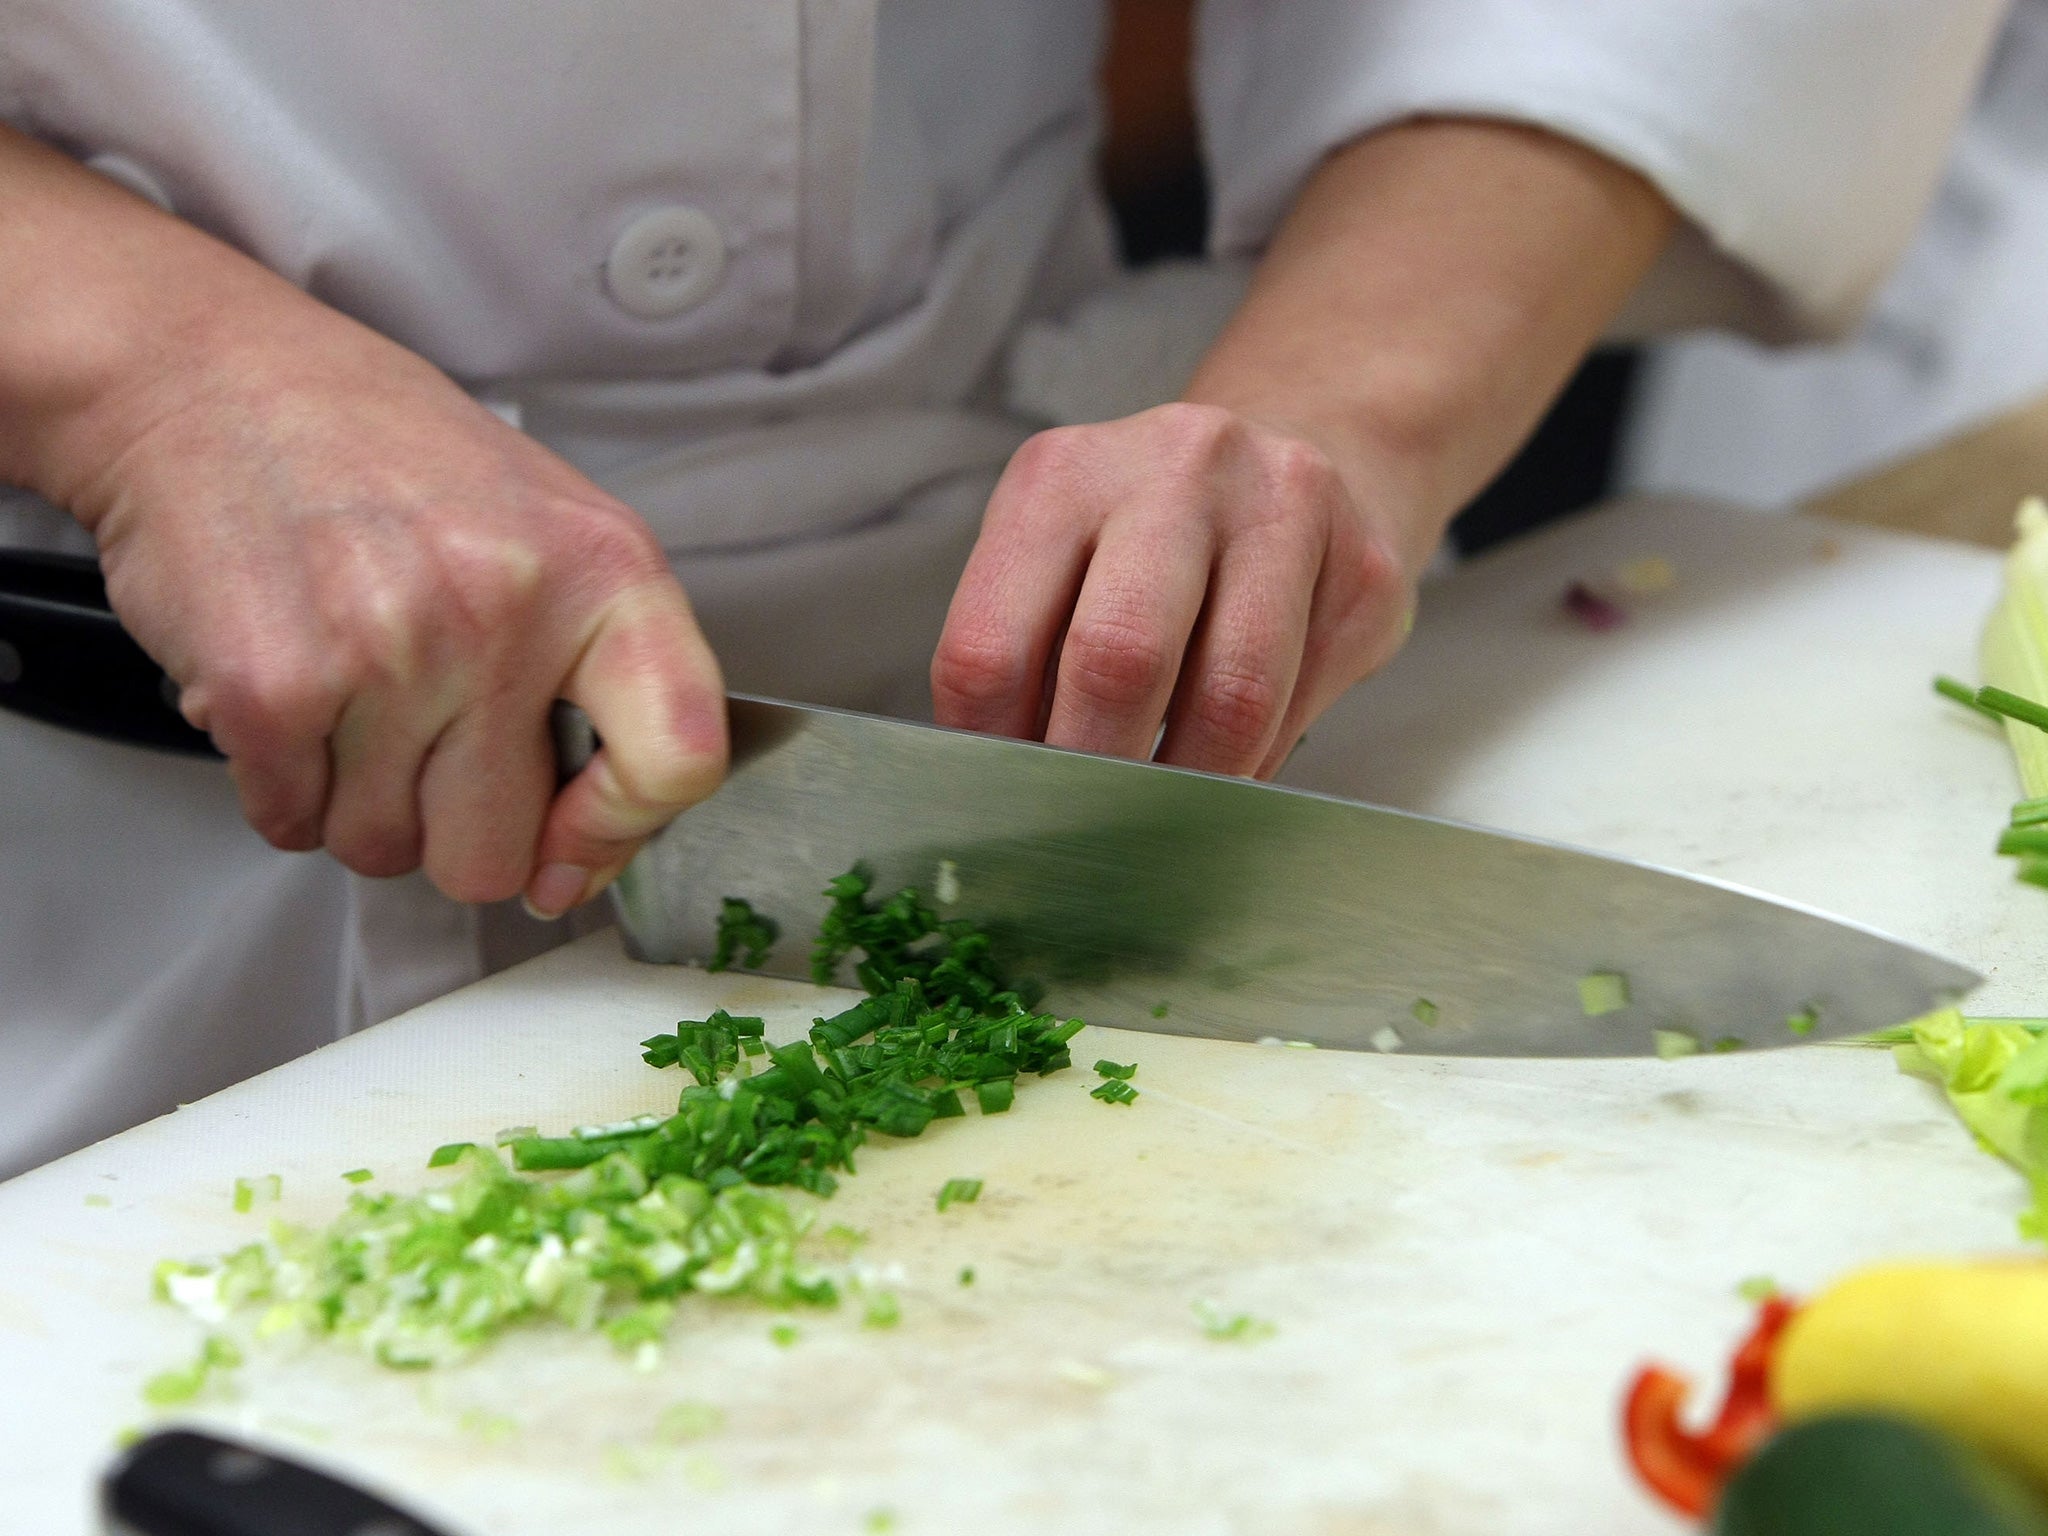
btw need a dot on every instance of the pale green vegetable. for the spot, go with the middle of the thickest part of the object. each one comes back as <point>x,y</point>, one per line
<point>1602,992</point>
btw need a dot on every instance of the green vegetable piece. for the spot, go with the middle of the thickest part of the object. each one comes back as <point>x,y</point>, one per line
<point>1728,1043</point>
<point>882,1310</point>
<point>98,1200</point>
<point>1670,1044</point>
<point>448,1153</point>
<point>2030,813</point>
<point>1231,1327</point>
<point>2015,841</point>
<point>966,1275</point>
<point>264,1188</point>
<point>878,1522</point>
<point>1114,1091</point>
<point>1802,1021</point>
<point>1110,1068</point>
<point>1159,1010</point>
<point>2033,869</point>
<point>1423,1011</point>
<point>743,935</point>
<point>1756,1289</point>
<point>783,1335</point>
<point>959,1192</point>
<point>1602,992</point>
<point>2013,707</point>
<point>996,1097</point>
<point>359,1175</point>
<point>1964,694</point>
<point>685,1421</point>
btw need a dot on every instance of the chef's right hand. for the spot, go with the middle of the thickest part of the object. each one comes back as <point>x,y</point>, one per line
<point>369,589</point>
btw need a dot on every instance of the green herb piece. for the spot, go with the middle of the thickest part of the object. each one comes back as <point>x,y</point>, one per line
<point>2013,707</point>
<point>168,1389</point>
<point>744,935</point>
<point>959,1192</point>
<point>1114,1091</point>
<point>1671,1044</point>
<point>1231,1327</point>
<point>1802,1021</point>
<point>846,1238</point>
<point>966,1275</point>
<point>681,1422</point>
<point>1728,1043</point>
<point>359,1175</point>
<point>1602,992</point>
<point>448,1153</point>
<point>783,1335</point>
<point>1110,1068</point>
<point>2014,841</point>
<point>996,1097</point>
<point>2033,869</point>
<point>1963,694</point>
<point>882,1310</point>
<point>1995,1073</point>
<point>98,1200</point>
<point>486,1425</point>
<point>1159,1010</point>
<point>264,1188</point>
<point>878,1522</point>
<point>1757,1289</point>
<point>2030,813</point>
<point>1423,1011</point>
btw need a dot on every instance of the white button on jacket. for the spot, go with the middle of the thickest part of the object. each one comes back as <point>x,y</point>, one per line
<point>754,265</point>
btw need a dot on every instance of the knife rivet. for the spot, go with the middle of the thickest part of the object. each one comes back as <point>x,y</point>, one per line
<point>10,664</point>
<point>237,1466</point>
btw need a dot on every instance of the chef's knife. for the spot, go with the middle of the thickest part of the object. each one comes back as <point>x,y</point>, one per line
<point>179,1482</point>
<point>1139,895</point>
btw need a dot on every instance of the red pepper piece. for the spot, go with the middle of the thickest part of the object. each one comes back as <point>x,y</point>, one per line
<point>1686,1468</point>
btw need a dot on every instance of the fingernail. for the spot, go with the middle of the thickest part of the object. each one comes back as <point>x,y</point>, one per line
<point>556,889</point>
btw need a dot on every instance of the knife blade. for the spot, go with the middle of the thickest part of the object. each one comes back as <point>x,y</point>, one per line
<point>1145,896</point>
<point>1152,897</point>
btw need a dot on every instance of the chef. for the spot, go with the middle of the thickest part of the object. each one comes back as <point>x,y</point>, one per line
<point>408,365</point>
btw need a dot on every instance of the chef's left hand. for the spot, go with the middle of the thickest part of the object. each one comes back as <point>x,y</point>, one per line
<point>1224,567</point>
<point>1186,567</point>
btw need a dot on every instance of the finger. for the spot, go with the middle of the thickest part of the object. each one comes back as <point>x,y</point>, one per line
<point>483,791</point>
<point>379,746</point>
<point>1361,614</point>
<point>651,686</point>
<point>1137,607</point>
<point>992,669</point>
<point>1241,669</point>
<point>273,732</point>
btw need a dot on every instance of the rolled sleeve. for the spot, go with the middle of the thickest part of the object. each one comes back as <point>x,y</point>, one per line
<point>1800,139</point>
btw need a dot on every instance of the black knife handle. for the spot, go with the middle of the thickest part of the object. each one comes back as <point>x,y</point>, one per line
<point>181,1483</point>
<point>66,660</point>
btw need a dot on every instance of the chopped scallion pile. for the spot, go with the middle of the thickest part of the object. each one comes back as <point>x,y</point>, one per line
<point>743,937</point>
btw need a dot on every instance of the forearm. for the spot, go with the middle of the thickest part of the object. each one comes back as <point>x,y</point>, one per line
<point>1429,293</point>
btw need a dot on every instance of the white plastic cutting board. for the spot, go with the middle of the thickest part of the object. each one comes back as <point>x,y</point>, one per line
<point>1463,1260</point>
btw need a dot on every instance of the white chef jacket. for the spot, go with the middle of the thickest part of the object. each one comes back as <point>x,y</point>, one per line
<point>756,265</point>
<point>1958,333</point>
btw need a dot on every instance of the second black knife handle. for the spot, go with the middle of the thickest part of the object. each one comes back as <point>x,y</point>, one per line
<point>182,1483</point>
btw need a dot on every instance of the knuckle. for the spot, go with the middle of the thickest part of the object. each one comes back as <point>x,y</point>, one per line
<point>478,879</point>
<point>654,786</point>
<point>252,701</point>
<point>1115,663</point>
<point>376,851</point>
<point>1049,458</point>
<point>1237,708</point>
<point>975,671</point>
<point>1303,473</point>
<point>1194,436</point>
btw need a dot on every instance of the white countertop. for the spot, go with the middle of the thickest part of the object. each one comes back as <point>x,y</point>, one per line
<point>1464,1260</point>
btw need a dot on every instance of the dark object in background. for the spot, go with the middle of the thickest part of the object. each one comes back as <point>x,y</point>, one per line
<point>181,1483</point>
<point>1152,169</point>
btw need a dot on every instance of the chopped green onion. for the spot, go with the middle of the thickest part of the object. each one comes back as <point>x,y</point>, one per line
<point>879,1522</point>
<point>449,1152</point>
<point>966,1274</point>
<point>1159,1010</point>
<point>1801,1021</point>
<point>959,1192</point>
<point>98,1200</point>
<point>882,1310</point>
<point>1110,1068</point>
<point>1757,1288</point>
<point>687,1420</point>
<point>263,1188</point>
<point>1729,1043</point>
<point>1674,1043</point>
<point>359,1175</point>
<point>168,1389</point>
<point>1114,1091</point>
<point>1423,1011</point>
<point>2033,869</point>
<point>996,1097</point>
<point>1963,694</point>
<point>1231,1327</point>
<point>743,935</point>
<point>782,1335</point>
<point>2031,812</point>
<point>1602,992</point>
<point>2019,840</point>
